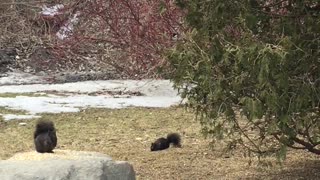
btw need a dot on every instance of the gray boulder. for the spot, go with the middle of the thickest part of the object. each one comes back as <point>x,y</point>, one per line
<point>65,165</point>
<point>7,59</point>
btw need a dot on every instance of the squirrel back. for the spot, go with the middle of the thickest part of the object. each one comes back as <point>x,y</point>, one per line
<point>45,138</point>
<point>175,139</point>
<point>164,143</point>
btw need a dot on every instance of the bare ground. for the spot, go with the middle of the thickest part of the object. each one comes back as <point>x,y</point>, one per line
<point>126,134</point>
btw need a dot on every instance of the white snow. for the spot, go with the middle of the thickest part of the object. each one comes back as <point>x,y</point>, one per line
<point>35,105</point>
<point>74,96</point>
<point>147,87</point>
<point>67,28</point>
<point>51,11</point>
<point>8,117</point>
<point>20,78</point>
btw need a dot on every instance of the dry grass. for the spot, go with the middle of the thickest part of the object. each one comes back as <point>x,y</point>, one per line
<point>126,135</point>
<point>13,95</point>
<point>5,110</point>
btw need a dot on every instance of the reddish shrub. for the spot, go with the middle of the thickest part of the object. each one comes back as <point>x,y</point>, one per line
<point>127,34</point>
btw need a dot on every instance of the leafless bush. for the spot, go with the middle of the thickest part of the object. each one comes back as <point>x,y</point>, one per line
<point>22,27</point>
<point>128,35</point>
<point>18,23</point>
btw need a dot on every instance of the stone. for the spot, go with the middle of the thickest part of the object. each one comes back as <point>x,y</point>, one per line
<point>22,124</point>
<point>7,56</point>
<point>65,165</point>
<point>7,59</point>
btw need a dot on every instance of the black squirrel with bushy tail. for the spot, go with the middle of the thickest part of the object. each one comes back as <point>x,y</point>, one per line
<point>45,138</point>
<point>164,143</point>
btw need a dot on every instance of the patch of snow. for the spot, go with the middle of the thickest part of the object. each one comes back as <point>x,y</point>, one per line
<point>35,105</point>
<point>51,11</point>
<point>156,93</point>
<point>67,28</point>
<point>20,78</point>
<point>8,117</point>
<point>146,87</point>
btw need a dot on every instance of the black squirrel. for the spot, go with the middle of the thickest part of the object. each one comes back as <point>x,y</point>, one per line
<point>45,138</point>
<point>164,143</point>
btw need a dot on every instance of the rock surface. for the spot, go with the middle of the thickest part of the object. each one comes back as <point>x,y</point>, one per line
<point>7,59</point>
<point>65,165</point>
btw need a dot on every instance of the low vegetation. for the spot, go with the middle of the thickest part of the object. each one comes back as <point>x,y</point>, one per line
<point>260,59</point>
<point>126,134</point>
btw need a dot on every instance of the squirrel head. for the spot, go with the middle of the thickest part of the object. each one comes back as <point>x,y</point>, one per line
<point>153,146</point>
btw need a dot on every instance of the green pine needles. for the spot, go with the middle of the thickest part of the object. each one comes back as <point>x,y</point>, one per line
<point>251,71</point>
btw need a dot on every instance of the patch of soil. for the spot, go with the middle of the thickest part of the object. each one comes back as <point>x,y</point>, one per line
<point>64,77</point>
<point>115,94</point>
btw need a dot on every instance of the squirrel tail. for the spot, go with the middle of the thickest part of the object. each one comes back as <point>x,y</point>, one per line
<point>175,139</point>
<point>44,126</point>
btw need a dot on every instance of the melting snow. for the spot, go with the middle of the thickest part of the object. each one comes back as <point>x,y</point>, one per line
<point>71,97</point>
<point>51,11</point>
<point>8,117</point>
